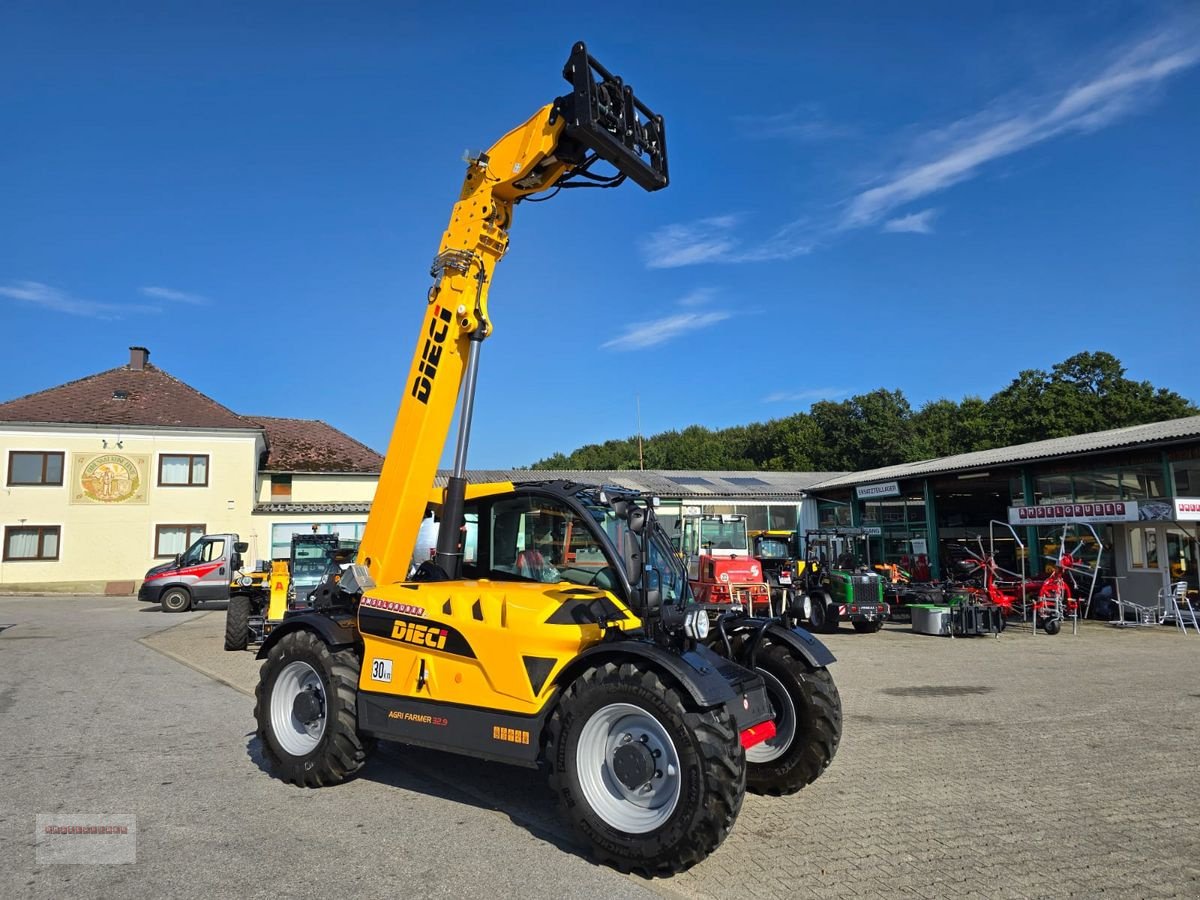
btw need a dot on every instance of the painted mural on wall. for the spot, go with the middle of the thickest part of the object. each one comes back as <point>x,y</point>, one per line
<point>108,478</point>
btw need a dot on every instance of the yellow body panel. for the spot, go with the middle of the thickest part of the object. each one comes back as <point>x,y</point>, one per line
<point>280,578</point>
<point>501,622</point>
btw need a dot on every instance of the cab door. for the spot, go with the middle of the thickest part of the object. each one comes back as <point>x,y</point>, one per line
<point>213,569</point>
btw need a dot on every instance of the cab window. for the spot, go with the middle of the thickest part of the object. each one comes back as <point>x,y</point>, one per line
<point>540,539</point>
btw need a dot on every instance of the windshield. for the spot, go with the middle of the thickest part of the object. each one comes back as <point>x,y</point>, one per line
<point>771,548</point>
<point>308,563</point>
<point>723,535</point>
<point>663,565</point>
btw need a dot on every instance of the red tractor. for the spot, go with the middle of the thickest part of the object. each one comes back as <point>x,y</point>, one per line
<point>721,568</point>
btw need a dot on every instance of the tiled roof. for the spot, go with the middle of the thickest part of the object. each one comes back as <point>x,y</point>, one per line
<point>310,508</point>
<point>310,445</point>
<point>668,483</point>
<point>124,396</point>
<point>1113,439</point>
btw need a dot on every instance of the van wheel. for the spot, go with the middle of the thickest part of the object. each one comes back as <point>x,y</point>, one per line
<point>175,600</point>
<point>652,782</point>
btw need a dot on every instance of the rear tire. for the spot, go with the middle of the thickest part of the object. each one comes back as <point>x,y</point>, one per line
<point>175,600</point>
<point>823,619</point>
<point>237,622</point>
<point>868,627</point>
<point>306,706</point>
<point>807,698</point>
<point>657,828</point>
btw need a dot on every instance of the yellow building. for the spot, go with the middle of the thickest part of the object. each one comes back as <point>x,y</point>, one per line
<point>111,474</point>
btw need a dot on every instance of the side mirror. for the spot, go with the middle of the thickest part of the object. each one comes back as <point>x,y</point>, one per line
<point>633,562</point>
<point>178,559</point>
<point>240,547</point>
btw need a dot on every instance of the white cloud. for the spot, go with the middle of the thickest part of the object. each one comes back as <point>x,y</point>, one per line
<point>810,394</point>
<point>162,293</point>
<point>712,240</point>
<point>698,297</point>
<point>914,223</point>
<point>639,335</point>
<point>947,156</point>
<point>42,295</point>
<point>804,124</point>
<point>956,153</point>
<point>708,240</point>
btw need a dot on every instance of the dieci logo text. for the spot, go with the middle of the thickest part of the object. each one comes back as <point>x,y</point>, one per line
<point>424,635</point>
<point>439,327</point>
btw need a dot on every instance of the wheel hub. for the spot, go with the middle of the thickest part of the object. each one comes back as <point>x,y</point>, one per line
<point>633,764</point>
<point>307,707</point>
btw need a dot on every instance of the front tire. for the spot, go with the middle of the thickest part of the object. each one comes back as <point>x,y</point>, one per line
<point>175,600</point>
<point>1052,626</point>
<point>237,622</point>
<point>306,709</point>
<point>651,782</point>
<point>824,617</point>
<point>808,724</point>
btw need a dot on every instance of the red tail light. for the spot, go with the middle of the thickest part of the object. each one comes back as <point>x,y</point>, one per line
<point>756,734</point>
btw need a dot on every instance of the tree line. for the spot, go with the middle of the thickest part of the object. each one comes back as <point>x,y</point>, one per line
<point>1086,392</point>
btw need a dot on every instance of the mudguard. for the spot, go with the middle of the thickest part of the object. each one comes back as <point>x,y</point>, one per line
<point>705,675</point>
<point>337,633</point>
<point>814,652</point>
<point>810,649</point>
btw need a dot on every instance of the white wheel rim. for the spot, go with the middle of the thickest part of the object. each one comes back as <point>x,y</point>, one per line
<point>296,737</point>
<point>785,722</point>
<point>635,810</point>
<point>807,609</point>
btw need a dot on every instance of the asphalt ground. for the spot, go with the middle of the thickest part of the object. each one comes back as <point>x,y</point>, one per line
<point>1024,766</point>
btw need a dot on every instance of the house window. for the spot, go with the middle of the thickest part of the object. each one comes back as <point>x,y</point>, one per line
<point>35,467</point>
<point>172,539</point>
<point>281,488</point>
<point>30,542</point>
<point>183,470</point>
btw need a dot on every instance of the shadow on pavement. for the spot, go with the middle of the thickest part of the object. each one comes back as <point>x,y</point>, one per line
<point>523,795</point>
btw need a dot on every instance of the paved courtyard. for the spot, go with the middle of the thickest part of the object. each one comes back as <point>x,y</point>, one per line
<point>1015,767</point>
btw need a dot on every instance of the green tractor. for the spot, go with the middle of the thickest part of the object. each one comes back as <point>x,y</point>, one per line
<point>837,582</point>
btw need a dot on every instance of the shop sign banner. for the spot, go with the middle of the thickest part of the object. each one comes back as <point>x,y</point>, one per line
<point>1066,513</point>
<point>108,478</point>
<point>886,489</point>
<point>1187,509</point>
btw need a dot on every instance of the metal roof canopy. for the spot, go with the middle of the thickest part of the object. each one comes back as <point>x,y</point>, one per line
<point>1170,431</point>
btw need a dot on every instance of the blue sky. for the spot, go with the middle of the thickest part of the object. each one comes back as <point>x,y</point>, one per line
<point>928,197</point>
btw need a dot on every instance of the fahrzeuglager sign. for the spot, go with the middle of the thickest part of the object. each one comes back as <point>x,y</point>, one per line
<point>886,489</point>
<point>1187,509</point>
<point>1065,513</point>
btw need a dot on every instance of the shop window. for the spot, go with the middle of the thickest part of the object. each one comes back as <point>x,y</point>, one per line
<point>31,542</point>
<point>183,470</point>
<point>831,515</point>
<point>29,467</point>
<point>1054,489</point>
<point>783,517</point>
<point>1103,484</point>
<point>1187,477</point>
<point>756,517</point>
<point>1142,482</point>
<point>1143,547</point>
<point>170,540</point>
